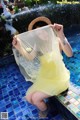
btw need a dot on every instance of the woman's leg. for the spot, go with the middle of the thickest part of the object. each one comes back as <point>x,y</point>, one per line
<point>38,100</point>
<point>29,97</point>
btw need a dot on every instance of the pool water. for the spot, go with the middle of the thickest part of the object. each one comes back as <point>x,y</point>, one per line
<point>73,63</point>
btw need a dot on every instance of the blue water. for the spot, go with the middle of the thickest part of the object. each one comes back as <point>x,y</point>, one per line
<point>73,63</point>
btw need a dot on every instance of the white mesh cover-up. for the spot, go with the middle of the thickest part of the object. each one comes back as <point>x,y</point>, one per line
<point>51,75</point>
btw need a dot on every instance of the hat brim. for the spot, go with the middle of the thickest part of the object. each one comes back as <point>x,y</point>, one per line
<point>39,19</point>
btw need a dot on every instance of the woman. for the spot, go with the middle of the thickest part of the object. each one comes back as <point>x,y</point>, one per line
<point>38,92</point>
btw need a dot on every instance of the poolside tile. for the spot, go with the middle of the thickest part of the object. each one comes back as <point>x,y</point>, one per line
<point>71,100</point>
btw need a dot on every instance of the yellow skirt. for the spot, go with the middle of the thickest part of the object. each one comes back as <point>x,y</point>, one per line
<point>53,77</point>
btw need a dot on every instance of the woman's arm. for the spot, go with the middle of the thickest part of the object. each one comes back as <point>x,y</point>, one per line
<point>65,46</point>
<point>17,44</point>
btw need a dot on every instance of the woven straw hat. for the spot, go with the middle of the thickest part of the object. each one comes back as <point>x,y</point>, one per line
<point>39,19</point>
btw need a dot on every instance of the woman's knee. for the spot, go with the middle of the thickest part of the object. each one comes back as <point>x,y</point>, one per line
<point>38,97</point>
<point>28,98</point>
<point>35,99</point>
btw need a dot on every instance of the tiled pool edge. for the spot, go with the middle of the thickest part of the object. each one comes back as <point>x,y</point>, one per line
<point>70,103</point>
<point>63,110</point>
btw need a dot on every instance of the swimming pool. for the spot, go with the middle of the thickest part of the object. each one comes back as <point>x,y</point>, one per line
<point>73,63</point>
<point>13,86</point>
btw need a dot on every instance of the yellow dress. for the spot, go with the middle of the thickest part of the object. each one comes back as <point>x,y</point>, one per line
<point>53,77</point>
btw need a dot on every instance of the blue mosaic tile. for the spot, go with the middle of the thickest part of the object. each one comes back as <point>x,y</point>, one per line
<point>13,88</point>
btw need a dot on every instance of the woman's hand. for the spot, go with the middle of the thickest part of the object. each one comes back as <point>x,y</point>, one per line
<point>16,43</point>
<point>65,46</point>
<point>58,28</point>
